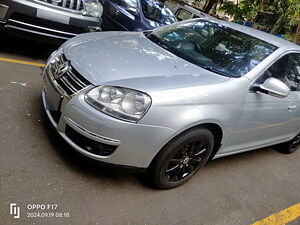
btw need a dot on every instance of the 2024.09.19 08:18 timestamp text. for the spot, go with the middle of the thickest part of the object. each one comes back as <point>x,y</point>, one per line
<point>48,215</point>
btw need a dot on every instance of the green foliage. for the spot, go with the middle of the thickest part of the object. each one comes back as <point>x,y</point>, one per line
<point>285,14</point>
<point>230,8</point>
<point>244,10</point>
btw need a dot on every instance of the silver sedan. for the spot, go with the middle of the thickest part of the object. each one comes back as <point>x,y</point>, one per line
<point>166,101</point>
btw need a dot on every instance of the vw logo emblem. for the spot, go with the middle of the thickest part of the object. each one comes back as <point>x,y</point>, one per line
<point>61,69</point>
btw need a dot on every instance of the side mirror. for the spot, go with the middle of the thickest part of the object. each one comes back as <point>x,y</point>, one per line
<point>274,87</point>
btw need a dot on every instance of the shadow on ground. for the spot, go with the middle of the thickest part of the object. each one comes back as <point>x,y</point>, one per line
<point>13,45</point>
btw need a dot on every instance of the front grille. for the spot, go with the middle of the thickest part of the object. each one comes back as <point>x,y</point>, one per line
<point>69,4</point>
<point>71,82</point>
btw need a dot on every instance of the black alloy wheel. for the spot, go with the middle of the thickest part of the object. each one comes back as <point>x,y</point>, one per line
<point>187,159</point>
<point>181,158</point>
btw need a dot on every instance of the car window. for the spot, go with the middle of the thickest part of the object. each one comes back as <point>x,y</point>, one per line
<point>157,11</point>
<point>286,69</point>
<point>182,14</point>
<point>213,47</point>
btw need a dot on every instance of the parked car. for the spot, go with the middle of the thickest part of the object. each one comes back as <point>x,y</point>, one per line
<point>168,100</point>
<point>185,12</point>
<point>50,20</point>
<point>135,15</point>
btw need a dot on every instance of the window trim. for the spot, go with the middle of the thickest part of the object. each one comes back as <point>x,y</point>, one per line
<point>182,9</point>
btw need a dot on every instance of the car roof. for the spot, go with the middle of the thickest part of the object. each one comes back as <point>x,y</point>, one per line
<point>267,37</point>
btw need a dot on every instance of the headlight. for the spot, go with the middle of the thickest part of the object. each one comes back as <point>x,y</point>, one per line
<point>123,103</point>
<point>92,8</point>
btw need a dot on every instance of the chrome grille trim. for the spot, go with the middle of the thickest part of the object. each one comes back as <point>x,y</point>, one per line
<point>64,3</point>
<point>39,27</point>
<point>71,4</point>
<point>76,5</point>
<point>75,79</point>
<point>69,83</point>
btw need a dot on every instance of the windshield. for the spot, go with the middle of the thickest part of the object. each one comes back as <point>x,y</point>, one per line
<point>158,12</point>
<point>213,47</point>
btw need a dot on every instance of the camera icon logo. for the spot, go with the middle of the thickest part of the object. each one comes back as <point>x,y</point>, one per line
<point>14,210</point>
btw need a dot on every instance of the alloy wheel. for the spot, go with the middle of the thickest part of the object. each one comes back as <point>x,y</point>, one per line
<point>187,159</point>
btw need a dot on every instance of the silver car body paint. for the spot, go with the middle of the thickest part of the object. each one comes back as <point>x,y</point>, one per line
<point>183,96</point>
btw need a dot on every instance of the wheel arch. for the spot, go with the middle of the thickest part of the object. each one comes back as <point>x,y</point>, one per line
<point>214,128</point>
<point>217,131</point>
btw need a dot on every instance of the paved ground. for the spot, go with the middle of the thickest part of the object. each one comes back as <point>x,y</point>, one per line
<point>37,167</point>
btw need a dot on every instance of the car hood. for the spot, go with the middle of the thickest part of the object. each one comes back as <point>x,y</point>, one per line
<point>130,59</point>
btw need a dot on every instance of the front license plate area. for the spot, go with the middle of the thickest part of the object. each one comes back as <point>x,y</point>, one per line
<point>53,16</point>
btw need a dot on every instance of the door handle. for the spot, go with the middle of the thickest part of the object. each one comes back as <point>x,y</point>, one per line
<point>292,107</point>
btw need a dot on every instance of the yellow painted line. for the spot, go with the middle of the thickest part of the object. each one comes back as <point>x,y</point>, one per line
<point>281,218</point>
<point>22,62</point>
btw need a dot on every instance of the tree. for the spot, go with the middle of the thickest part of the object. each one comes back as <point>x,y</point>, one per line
<point>242,10</point>
<point>209,5</point>
<point>295,22</point>
<point>285,14</point>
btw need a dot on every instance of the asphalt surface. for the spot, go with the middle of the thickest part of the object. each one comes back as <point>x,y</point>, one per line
<point>37,167</point>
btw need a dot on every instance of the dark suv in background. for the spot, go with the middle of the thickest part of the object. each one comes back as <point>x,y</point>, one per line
<point>50,20</point>
<point>135,15</point>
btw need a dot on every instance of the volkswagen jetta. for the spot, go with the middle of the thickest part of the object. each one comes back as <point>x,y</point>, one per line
<point>168,100</point>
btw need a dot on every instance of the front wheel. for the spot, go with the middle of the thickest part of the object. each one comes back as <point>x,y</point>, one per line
<point>181,158</point>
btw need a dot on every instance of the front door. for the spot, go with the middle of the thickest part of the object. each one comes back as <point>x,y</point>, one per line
<point>267,119</point>
<point>292,75</point>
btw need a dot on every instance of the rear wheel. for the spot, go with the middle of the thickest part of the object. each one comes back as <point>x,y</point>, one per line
<point>181,158</point>
<point>290,146</point>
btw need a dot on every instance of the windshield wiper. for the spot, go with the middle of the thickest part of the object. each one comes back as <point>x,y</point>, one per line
<point>212,69</point>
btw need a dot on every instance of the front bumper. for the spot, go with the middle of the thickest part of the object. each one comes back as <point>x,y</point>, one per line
<point>134,145</point>
<point>43,21</point>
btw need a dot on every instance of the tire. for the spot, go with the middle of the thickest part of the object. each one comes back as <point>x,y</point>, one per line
<point>291,146</point>
<point>181,158</point>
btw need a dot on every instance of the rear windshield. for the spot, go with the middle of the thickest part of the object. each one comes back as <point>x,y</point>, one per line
<point>213,47</point>
<point>157,11</point>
